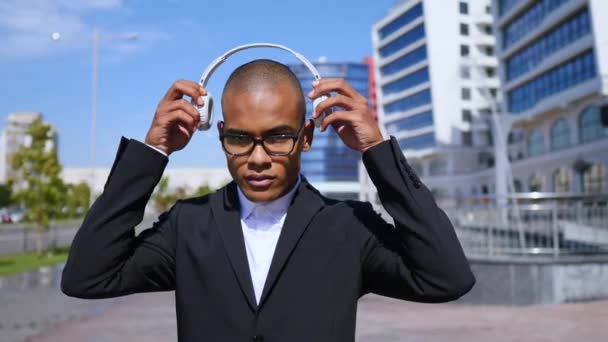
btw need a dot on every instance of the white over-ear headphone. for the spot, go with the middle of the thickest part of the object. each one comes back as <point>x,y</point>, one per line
<point>206,110</point>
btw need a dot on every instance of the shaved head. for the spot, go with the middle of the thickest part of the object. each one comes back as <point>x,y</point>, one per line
<point>263,75</point>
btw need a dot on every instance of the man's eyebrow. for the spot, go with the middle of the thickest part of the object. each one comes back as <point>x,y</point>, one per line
<point>280,129</point>
<point>236,131</point>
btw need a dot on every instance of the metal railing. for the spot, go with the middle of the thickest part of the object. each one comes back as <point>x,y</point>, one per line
<point>531,224</point>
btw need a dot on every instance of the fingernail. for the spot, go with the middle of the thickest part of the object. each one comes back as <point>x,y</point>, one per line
<point>200,101</point>
<point>315,83</point>
<point>311,93</point>
<point>203,91</point>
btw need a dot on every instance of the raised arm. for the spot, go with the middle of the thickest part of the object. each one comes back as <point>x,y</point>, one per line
<point>106,259</point>
<point>420,257</point>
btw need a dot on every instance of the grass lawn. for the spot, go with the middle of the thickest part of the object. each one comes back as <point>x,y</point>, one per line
<point>16,263</point>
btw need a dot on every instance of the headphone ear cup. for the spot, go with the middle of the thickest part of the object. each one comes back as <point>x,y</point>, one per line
<point>206,113</point>
<point>315,103</point>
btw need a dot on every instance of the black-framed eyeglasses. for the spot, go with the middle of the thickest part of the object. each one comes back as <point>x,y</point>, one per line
<point>238,144</point>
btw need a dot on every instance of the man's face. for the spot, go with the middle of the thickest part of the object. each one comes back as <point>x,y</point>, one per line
<point>260,113</point>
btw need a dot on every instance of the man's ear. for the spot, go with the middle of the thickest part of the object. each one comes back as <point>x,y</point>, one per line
<point>308,134</point>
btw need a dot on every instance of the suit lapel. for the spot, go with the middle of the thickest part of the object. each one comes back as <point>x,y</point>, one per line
<point>305,204</point>
<point>226,211</point>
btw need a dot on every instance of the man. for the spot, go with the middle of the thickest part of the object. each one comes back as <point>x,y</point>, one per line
<point>267,258</point>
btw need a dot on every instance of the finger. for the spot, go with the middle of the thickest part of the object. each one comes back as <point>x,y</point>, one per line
<point>186,107</point>
<point>184,87</point>
<point>181,117</point>
<point>338,100</point>
<point>336,118</point>
<point>338,85</point>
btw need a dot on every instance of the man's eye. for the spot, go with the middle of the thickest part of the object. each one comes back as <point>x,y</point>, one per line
<point>277,139</point>
<point>238,139</point>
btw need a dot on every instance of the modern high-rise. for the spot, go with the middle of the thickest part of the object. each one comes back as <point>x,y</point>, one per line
<point>436,73</point>
<point>554,70</point>
<point>331,166</point>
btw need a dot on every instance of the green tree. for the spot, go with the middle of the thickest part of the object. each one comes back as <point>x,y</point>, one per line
<point>203,190</point>
<point>37,186</point>
<point>77,199</point>
<point>5,195</point>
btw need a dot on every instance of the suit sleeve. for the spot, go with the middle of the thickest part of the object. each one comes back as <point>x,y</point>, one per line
<point>106,258</point>
<point>419,258</point>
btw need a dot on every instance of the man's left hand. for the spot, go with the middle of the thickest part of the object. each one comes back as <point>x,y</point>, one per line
<point>355,123</point>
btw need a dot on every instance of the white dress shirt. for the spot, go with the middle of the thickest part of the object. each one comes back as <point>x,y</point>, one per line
<point>262,223</point>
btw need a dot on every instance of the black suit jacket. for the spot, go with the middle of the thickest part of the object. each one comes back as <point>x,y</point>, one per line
<point>329,253</point>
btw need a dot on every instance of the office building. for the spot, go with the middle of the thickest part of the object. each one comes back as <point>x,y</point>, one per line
<point>436,73</point>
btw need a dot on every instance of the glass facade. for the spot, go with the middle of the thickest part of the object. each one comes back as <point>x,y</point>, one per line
<point>402,41</point>
<point>418,142</point>
<point>506,5</point>
<point>418,99</point>
<point>329,159</point>
<point>567,32</point>
<point>402,20</point>
<point>410,80</point>
<point>405,61</point>
<point>555,80</point>
<point>529,20</point>
<point>411,122</point>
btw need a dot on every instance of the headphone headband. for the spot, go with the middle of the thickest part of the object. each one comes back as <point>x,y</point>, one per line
<point>218,61</point>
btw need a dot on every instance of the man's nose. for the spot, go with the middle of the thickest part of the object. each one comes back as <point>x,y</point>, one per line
<point>259,156</point>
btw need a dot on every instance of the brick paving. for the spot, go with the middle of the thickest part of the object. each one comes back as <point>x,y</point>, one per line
<point>151,318</point>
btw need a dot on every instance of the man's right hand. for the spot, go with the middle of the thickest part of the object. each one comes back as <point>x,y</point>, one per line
<point>176,119</point>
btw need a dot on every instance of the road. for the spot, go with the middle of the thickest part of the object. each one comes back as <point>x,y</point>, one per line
<point>151,318</point>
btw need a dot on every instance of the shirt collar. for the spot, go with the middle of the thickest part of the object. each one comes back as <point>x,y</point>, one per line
<point>277,207</point>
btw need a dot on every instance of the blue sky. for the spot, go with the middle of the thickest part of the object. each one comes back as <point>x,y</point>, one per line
<point>177,39</point>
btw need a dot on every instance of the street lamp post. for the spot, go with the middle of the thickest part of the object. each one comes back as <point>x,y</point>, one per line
<point>56,36</point>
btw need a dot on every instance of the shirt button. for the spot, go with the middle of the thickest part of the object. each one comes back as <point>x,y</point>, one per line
<point>258,338</point>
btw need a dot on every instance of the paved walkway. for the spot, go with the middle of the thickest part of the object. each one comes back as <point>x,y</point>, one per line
<point>151,318</point>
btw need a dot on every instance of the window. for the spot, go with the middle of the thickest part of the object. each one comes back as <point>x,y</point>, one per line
<point>406,82</point>
<point>416,121</point>
<point>438,167</point>
<point>548,44</point>
<point>404,62</point>
<point>464,29</point>
<point>535,183</point>
<point>560,135</point>
<point>418,99</point>
<point>536,143</point>
<point>402,41</point>
<point>489,51</point>
<point>490,72</point>
<point>589,125</point>
<point>594,179</point>
<point>418,142</point>
<point>528,20</point>
<point>467,115</point>
<point>404,19</point>
<point>464,50</point>
<point>489,9</point>
<point>561,180</point>
<point>463,8</point>
<point>465,93</point>
<point>518,187</point>
<point>465,72</point>
<point>564,76</point>
<point>467,138</point>
<point>488,29</point>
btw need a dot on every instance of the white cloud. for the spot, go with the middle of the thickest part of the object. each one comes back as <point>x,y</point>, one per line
<point>26,26</point>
